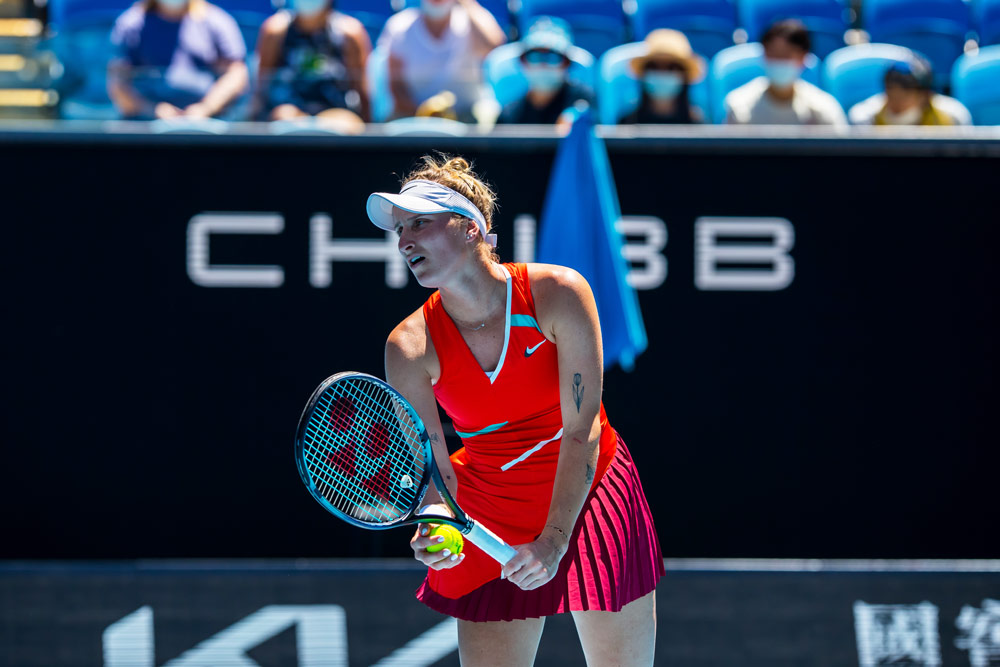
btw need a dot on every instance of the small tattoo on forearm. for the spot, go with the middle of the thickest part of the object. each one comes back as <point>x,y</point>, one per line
<point>434,437</point>
<point>577,390</point>
<point>590,473</point>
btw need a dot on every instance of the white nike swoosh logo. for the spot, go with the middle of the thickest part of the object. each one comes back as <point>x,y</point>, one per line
<point>528,351</point>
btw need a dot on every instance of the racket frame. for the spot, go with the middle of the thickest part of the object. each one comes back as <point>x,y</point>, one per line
<point>478,534</point>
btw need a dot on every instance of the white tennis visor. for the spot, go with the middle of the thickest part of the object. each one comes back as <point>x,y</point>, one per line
<point>420,196</point>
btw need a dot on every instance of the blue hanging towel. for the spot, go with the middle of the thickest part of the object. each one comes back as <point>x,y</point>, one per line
<point>578,230</point>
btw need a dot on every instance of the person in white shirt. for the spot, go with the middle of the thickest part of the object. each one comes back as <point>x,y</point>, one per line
<point>781,97</point>
<point>439,47</point>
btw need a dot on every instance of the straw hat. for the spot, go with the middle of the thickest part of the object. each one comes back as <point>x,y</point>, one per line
<point>670,44</point>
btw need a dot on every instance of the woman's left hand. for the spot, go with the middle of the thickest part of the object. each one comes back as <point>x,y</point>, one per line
<point>535,563</point>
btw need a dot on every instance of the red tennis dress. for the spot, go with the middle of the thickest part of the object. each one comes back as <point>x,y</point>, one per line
<point>510,422</point>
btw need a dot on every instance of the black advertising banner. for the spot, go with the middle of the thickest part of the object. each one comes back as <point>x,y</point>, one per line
<point>325,614</point>
<point>820,378</point>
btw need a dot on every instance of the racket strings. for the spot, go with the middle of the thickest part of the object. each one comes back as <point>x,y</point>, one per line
<point>357,491</point>
<point>359,488</point>
<point>363,451</point>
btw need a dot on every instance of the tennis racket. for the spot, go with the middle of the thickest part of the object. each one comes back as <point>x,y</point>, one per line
<point>364,454</point>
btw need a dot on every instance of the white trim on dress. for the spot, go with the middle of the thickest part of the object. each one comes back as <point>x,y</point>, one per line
<point>506,329</point>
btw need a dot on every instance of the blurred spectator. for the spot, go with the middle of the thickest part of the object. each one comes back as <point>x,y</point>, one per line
<point>666,72</point>
<point>781,97</point>
<point>176,58</point>
<point>312,61</point>
<point>439,47</point>
<point>910,100</point>
<point>545,63</point>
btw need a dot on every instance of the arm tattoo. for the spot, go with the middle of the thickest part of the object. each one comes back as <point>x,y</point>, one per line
<point>577,390</point>
<point>435,439</point>
<point>590,473</point>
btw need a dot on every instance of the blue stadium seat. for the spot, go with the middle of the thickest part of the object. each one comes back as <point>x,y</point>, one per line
<point>65,14</point>
<point>975,82</point>
<point>377,77</point>
<point>372,13</point>
<point>503,73</point>
<point>855,73</point>
<point>937,29</point>
<point>81,40</point>
<point>500,11</point>
<point>249,15</point>
<point>75,15</point>
<point>740,64</point>
<point>986,20</point>
<point>597,25</point>
<point>618,91</point>
<point>708,24</point>
<point>825,19</point>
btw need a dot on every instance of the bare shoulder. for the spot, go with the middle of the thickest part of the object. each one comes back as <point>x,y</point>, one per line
<point>408,339</point>
<point>353,28</point>
<point>552,281</point>
<point>409,352</point>
<point>400,22</point>
<point>348,22</point>
<point>562,297</point>
<point>276,24</point>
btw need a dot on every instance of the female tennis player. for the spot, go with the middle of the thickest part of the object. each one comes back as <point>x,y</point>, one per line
<point>512,352</point>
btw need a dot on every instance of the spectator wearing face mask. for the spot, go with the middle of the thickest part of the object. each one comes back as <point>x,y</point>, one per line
<point>312,63</point>
<point>666,72</point>
<point>545,64</point>
<point>781,97</point>
<point>909,99</point>
<point>439,47</point>
<point>176,58</point>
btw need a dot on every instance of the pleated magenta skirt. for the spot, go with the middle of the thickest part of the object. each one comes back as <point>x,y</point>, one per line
<point>614,558</point>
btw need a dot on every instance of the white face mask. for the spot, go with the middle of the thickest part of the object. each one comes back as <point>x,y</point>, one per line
<point>544,78</point>
<point>782,73</point>
<point>663,85</point>
<point>908,117</point>
<point>309,6</point>
<point>434,10</point>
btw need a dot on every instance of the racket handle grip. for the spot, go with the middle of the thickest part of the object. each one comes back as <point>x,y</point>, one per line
<point>492,545</point>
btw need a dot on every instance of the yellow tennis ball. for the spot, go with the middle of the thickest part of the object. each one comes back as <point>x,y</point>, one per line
<point>453,540</point>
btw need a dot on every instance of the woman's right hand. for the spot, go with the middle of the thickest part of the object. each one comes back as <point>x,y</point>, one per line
<point>440,560</point>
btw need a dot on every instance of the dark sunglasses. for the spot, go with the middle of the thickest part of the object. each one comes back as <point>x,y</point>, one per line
<point>543,57</point>
<point>664,66</point>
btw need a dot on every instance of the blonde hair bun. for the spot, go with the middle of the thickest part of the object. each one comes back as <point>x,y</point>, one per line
<point>456,172</point>
<point>458,164</point>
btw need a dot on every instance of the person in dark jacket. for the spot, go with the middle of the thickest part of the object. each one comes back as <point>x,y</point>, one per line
<point>545,64</point>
